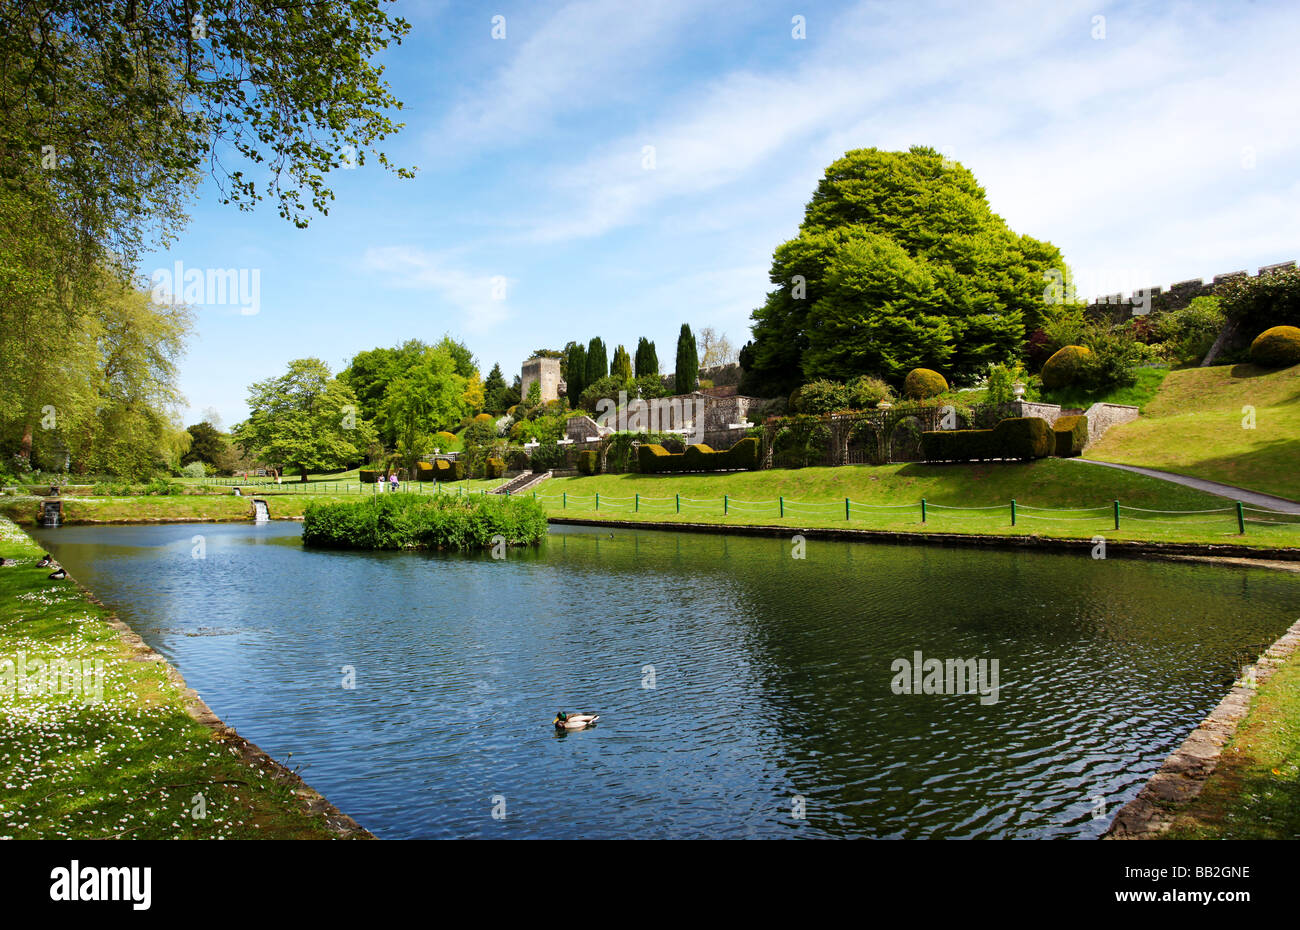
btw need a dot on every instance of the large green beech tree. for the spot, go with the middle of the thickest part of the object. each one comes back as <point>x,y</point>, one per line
<point>900,262</point>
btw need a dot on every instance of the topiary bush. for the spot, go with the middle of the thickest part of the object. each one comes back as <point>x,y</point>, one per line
<point>1070,435</point>
<point>495,467</point>
<point>923,382</point>
<point>1276,347</point>
<point>1065,367</point>
<point>588,463</point>
<point>367,475</point>
<point>424,471</point>
<point>653,458</point>
<point>744,454</point>
<point>1014,438</point>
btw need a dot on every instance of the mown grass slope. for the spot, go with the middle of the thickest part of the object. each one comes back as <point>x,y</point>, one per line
<point>1199,424</point>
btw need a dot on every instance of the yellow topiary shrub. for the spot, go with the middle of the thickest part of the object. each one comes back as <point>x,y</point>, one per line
<point>1277,347</point>
<point>1063,368</point>
<point>923,382</point>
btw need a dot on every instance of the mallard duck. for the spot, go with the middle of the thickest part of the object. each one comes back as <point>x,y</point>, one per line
<point>565,721</point>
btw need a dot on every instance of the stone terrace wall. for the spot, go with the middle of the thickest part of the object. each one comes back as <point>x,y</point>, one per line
<point>1102,417</point>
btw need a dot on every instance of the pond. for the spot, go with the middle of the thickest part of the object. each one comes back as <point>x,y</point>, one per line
<point>743,692</point>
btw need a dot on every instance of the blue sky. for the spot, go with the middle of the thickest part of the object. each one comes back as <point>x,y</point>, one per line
<point>1165,150</point>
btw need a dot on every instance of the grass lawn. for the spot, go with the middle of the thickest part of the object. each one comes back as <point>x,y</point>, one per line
<point>1254,792</point>
<point>814,497</point>
<point>1054,497</point>
<point>1138,394</point>
<point>1194,426</point>
<point>125,760</point>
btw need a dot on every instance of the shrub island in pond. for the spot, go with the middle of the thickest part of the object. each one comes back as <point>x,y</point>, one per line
<point>415,521</point>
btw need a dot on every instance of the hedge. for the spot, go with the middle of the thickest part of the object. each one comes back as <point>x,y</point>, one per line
<point>1071,434</point>
<point>1064,367</point>
<point>424,471</point>
<point>367,475</point>
<point>495,467</point>
<point>1014,438</point>
<point>588,464</point>
<point>921,383</point>
<point>1276,347</point>
<point>414,521</point>
<point>654,458</point>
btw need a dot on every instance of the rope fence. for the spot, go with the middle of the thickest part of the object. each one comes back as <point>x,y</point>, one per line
<point>1112,515</point>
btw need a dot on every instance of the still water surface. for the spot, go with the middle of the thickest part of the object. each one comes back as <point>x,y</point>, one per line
<point>772,676</point>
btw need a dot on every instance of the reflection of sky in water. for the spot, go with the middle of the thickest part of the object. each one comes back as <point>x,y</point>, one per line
<point>772,676</point>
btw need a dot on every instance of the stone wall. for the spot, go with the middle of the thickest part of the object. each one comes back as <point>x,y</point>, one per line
<point>1102,417</point>
<point>1118,307</point>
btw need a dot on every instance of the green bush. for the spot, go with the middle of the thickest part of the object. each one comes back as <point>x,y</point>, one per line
<point>517,460</point>
<point>446,442</point>
<point>1065,367</point>
<point>866,392</point>
<point>923,382</point>
<point>1013,438</point>
<point>821,396</point>
<point>1276,347</point>
<point>495,467</point>
<point>1071,435</point>
<point>1186,334</point>
<point>414,521</point>
<point>367,475</point>
<point>424,471</point>
<point>588,463</point>
<point>195,470</point>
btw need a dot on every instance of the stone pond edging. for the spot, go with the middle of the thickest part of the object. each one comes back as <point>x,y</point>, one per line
<point>308,798</point>
<point>1183,775</point>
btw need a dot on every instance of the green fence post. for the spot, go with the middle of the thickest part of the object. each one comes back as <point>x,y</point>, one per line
<point>725,505</point>
<point>923,510</point>
<point>781,500</point>
<point>1013,511</point>
<point>597,500</point>
<point>1241,519</point>
<point>1116,506</point>
<point>679,503</point>
<point>638,503</point>
<point>564,505</point>
<point>846,508</point>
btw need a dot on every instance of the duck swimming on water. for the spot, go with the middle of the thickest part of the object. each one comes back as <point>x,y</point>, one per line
<point>565,721</point>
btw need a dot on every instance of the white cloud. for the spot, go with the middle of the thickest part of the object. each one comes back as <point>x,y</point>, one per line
<point>482,299</point>
<point>584,54</point>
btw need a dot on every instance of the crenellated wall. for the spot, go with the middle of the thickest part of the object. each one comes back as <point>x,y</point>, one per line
<point>1158,300</point>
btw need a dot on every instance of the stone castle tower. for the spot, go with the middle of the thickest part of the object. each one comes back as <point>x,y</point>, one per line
<point>546,371</point>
